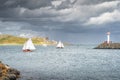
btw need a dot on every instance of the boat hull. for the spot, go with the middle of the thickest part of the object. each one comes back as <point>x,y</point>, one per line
<point>27,50</point>
<point>59,47</point>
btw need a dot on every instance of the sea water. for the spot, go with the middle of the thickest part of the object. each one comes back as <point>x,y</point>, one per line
<point>71,63</point>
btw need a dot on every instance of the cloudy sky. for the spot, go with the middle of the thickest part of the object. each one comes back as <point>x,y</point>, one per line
<point>76,21</point>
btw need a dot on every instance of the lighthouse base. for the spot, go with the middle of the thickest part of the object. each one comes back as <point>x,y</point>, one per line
<point>105,45</point>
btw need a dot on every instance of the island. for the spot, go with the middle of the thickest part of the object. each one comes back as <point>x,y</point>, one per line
<point>6,39</point>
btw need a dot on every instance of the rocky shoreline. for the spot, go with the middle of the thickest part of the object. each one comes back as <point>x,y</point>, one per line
<point>8,73</point>
<point>105,45</point>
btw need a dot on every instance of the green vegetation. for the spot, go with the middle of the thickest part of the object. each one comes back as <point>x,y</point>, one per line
<point>14,40</point>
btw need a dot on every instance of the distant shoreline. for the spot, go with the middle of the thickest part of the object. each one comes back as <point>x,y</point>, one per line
<point>15,40</point>
<point>9,44</point>
<point>21,44</point>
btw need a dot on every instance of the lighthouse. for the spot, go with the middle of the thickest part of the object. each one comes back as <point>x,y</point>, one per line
<point>108,37</point>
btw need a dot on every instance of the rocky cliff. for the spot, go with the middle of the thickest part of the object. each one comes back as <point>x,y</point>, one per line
<point>8,73</point>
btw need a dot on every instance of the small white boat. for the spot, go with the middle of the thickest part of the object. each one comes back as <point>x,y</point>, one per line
<point>28,46</point>
<point>60,45</point>
<point>44,45</point>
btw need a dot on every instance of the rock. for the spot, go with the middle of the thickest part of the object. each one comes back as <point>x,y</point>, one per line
<point>8,73</point>
<point>0,72</point>
<point>4,78</point>
<point>14,71</point>
<point>12,77</point>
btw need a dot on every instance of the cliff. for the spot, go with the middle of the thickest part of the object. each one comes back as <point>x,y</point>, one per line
<point>8,73</point>
<point>105,45</point>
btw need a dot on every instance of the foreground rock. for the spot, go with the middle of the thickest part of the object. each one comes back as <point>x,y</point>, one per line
<point>7,73</point>
<point>105,45</point>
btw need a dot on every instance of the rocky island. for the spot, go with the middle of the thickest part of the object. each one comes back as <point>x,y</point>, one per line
<point>8,73</point>
<point>106,45</point>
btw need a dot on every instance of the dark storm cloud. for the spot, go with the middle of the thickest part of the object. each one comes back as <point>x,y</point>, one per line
<point>37,8</point>
<point>31,4</point>
<point>59,16</point>
<point>12,8</point>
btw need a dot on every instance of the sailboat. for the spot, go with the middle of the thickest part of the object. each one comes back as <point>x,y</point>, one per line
<point>44,45</point>
<point>60,45</point>
<point>28,46</point>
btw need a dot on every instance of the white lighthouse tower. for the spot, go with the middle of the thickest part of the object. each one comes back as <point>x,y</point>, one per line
<point>108,37</point>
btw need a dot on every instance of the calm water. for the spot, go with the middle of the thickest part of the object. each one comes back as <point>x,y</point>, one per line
<point>71,63</point>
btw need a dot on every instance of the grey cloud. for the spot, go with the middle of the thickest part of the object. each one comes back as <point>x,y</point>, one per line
<point>31,4</point>
<point>91,2</point>
<point>65,4</point>
<point>5,4</point>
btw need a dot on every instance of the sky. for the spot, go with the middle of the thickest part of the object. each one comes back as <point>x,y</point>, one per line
<point>74,21</point>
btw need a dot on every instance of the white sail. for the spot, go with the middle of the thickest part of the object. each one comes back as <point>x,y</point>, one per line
<point>24,46</point>
<point>29,45</point>
<point>60,45</point>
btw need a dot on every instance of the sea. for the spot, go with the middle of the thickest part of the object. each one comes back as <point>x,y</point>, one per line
<point>75,62</point>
